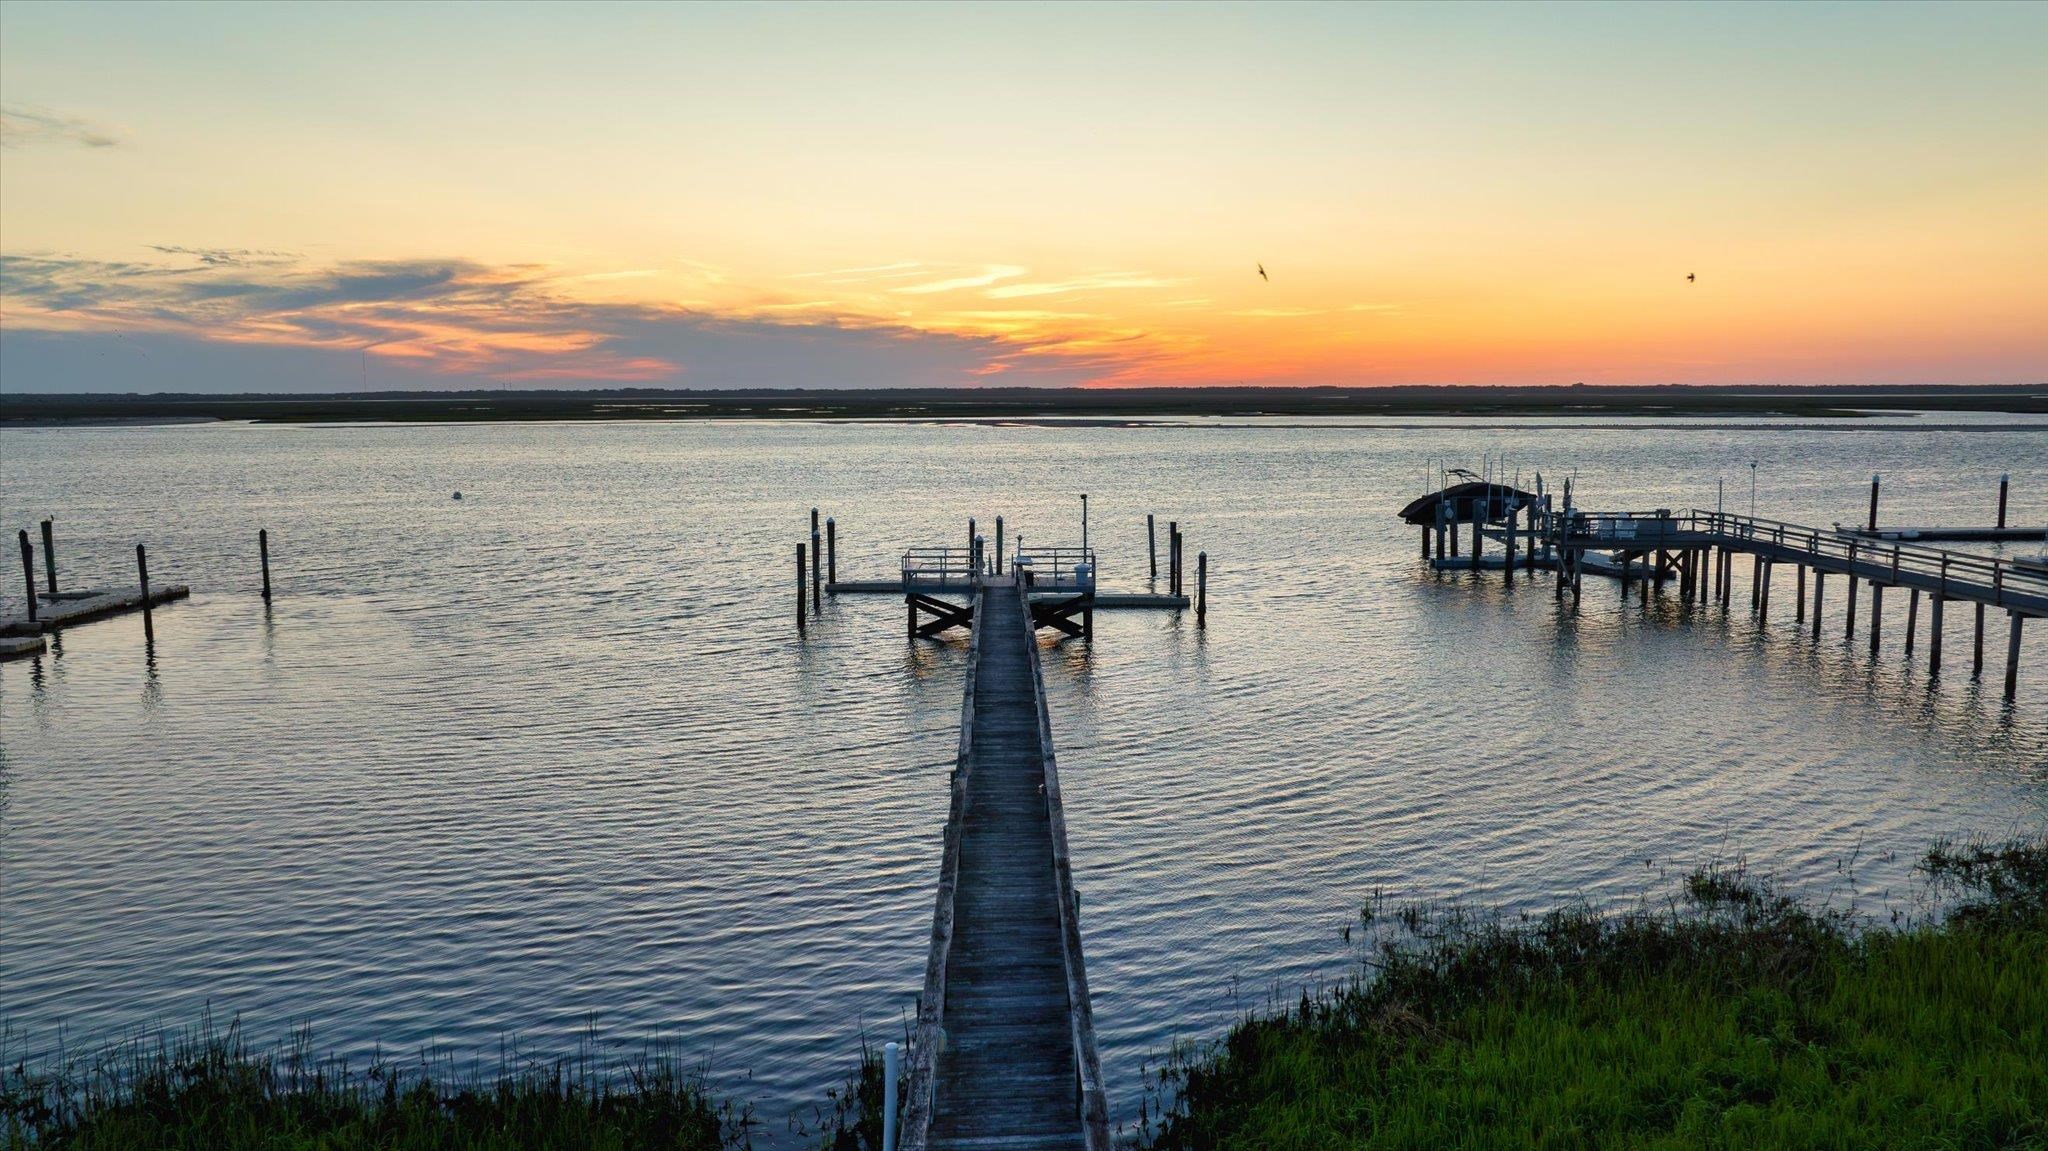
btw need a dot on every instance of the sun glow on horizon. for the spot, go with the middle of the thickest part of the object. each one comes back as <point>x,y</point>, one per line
<point>810,195</point>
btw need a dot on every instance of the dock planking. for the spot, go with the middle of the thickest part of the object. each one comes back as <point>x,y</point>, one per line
<point>64,609</point>
<point>1007,1053</point>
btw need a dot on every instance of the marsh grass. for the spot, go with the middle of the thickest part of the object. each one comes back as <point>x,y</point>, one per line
<point>1735,1016</point>
<point>206,1088</point>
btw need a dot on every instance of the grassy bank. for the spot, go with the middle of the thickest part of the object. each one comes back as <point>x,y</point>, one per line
<point>207,1090</point>
<point>1735,1017</point>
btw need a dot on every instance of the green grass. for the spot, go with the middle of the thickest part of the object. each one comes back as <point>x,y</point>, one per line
<point>206,1090</point>
<point>1736,1018</point>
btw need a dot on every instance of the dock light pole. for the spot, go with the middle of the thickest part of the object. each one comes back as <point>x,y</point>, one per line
<point>892,1062</point>
<point>1873,503</point>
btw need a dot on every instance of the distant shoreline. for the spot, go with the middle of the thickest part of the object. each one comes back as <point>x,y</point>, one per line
<point>1059,407</point>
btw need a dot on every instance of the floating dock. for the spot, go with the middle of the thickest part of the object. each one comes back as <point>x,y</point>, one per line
<point>1003,1055</point>
<point>22,646</point>
<point>56,610</point>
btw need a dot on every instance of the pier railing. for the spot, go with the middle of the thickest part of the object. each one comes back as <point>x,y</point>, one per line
<point>939,567</point>
<point>1055,569</point>
<point>1996,580</point>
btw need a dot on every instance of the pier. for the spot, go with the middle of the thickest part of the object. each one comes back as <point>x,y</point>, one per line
<point>1003,1054</point>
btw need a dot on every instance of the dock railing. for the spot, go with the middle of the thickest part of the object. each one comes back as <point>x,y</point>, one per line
<point>1055,569</point>
<point>935,567</point>
<point>1996,580</point>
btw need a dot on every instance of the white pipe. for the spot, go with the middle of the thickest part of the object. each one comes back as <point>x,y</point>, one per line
<point>892,1057</point>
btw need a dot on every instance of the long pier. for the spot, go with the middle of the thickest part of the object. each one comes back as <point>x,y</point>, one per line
<point>1698,548</point>
<point>1003,1055</point>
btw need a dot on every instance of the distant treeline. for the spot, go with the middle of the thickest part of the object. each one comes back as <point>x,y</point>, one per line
<point>1024,403</point>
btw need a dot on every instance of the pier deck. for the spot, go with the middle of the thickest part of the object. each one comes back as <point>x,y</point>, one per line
<point>1004,1054</point>
<point>75,607</point>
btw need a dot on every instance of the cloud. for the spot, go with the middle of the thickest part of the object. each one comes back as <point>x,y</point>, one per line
<point>1106,281</point>
<point>983,279</point>
<point>21,126</point>
<point>250,320</point>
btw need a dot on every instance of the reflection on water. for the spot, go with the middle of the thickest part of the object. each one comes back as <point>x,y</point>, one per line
<point>554,754</point>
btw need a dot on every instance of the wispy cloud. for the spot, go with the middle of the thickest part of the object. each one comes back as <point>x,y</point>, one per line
<point>1105,281</point>
<point>226,257</point>
<point>899,270</point>
<point>982,279</point>
<point>21,126</point>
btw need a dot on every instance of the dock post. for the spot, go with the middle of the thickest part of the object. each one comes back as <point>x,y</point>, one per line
<point>1849,618</point>
<point>28,573</point>
<point>1201,589</point>
<point>1425,541</point>
<point>1912,619</point>
<point>1529,551</point>
<point>1799,597</point>
<point>1756,581</point>
<point>50,556</point>
<point>1873,503</point>
<point>1977,655</point>
<point>1454,539</point>
<point>1818,577</point>
<point>1934,634</point>
<point>263,556</point>
<point>971,535</point>
<point>817,571</point>
<point>142,576</point>
<point>1152,546</point>
<point>1626,559</point>
<point>831,551</point>
<point>799,588</point>
<point>1507,569</point>
<point>1173,557</point>
<point>2003,482</point>
<point>1476,538</point>
<point>1578,574</point>
<point>1763,598</point>
<point>1876,615</point>
<point>892,1069</point>
<point>999,545</point>
<point>2012,658</point>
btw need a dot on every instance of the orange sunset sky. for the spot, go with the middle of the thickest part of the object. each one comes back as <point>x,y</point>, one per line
<point>300,198</point>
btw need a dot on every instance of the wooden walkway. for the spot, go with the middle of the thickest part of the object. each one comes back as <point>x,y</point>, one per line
<point>1004,1054</point>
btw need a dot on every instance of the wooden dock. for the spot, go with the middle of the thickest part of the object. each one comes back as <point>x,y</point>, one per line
<point>1003,1056</point>
<point>66,609</point>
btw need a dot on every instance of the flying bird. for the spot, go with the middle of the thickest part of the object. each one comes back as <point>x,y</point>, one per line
<point>1262,274</point>
<point>1689,277</point>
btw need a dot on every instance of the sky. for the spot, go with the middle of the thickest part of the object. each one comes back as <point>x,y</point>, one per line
<point>272,197</point>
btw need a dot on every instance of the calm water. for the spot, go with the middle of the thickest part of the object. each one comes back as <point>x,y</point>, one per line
<point>552,758</point>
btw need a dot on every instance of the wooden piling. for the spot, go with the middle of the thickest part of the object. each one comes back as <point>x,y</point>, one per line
<point>817,570</point>
<point>1977,654</point>
<point>1818,577</point>
<point>1425,541</point>
<point>50,555</point>
<point>1763,598</point>
<point>1173,557</point>
<point>28,573</point>
<point>142,576</point>
<point>2003,482</point>
<point>1876,615</point>
<point>999,545</point>
<point>1201,589</point>
<point>1873,503</point>
<point>2012,658</point>
<point>1934,633</point>
<point>1152,546</point>
<point>263,557</point>
<point>1507,570</point>
<point>1912,619</point>
<point>1799,596</point>
<point>831,551</point>
<point>1849,617</point>
<point>1476,545</point>
<point>799,587</point>
<point>1756,582</point>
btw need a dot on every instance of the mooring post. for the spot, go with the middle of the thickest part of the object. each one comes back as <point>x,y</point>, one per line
<point>892,1069</point>
<point>1152,546</point>
<point>1912,619</point>
<point>817,573</point>
<point>1849,617</point>
<point>1977,652</point>
<point>28,573</point>
<point>1934,633</point>
<point>831,551</point>
<point>263,556</point>
<point>142,576</point>
<point>50,555</point>
<point>1876,615</point>
<point>1173,557</point>
<point>1763,599</point>
<point>1425,541</point>
<point>1756,581</point>
<point>971,535</point>
<point>1201,589</point>
<point>1818,577</point>
<point>799,587</point>
<point>999,545</point>
<point>2012,658</point>
<point>2003,481</point>
<point>1799,597</point>
<point>1476,538</point>
<point>1873,503</point>
<point>1508,539</point>
<point>1627,558</point>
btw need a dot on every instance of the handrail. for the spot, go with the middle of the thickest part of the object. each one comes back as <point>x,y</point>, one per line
<point>1093,1102</point>
<point>928,1038</point>
<point>1056,568</point>
<point>1945,566</point>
